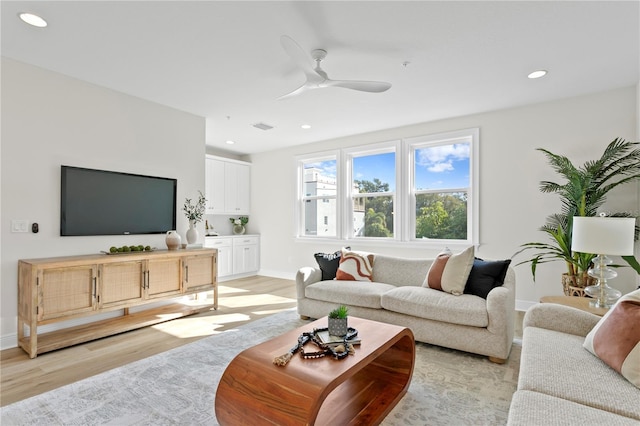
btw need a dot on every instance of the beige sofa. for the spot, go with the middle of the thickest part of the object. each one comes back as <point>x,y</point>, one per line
<point>465,322</point>
<point>560,382</point>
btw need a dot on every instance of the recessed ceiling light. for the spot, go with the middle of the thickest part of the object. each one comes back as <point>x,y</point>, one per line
<point>537,74</point>
<point>32,19</point>
<point>230,142</point>
<point>306,126</point>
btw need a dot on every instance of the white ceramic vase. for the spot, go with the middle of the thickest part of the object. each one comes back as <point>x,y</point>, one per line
<point>173,240</point>
<point>192,233</point>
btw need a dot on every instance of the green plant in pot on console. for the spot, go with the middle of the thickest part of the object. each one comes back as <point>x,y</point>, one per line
<point>583,193</point>
<point>338,321</point>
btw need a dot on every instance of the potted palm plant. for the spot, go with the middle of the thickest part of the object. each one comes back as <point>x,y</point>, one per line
<point>583,193</point>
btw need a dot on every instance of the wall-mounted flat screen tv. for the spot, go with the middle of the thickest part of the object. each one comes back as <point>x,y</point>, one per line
<point>101,202</point>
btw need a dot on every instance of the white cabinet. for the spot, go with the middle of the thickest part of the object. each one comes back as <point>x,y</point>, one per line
<point>228,186</point>
<point>246,254</point>
<point>238,255</point>
<point>225,254</point>
<point>214,186</point>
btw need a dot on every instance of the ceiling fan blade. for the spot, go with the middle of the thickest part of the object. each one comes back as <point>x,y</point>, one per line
<point>300,57</point>
<point>296,92</point>
<point>363,86</point>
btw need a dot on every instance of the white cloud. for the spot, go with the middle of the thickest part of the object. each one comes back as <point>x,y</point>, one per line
<point>440,158</point>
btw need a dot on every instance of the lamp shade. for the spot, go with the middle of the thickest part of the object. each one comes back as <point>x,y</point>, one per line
<point>603,235</point>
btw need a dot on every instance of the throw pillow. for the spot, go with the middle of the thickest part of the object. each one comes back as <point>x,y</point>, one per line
<point>328,263</point>
<point>485,276</point>
<point>434,275</point>
<point>616,337</point>
<point>355,266</point>
<point>449,272</point>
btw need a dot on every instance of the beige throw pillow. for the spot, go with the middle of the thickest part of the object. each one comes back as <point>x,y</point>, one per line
<point>616,337</point>
<point>449,272</point>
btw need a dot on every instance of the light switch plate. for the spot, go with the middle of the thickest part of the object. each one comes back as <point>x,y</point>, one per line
<point>19,226</point>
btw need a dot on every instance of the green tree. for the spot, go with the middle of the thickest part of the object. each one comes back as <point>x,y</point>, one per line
<point>381,204</point>
<point>432,221</point>
<point>441,216</point>
<point>375,224</point>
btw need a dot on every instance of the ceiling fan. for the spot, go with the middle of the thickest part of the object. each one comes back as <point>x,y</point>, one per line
<point>317,78</point>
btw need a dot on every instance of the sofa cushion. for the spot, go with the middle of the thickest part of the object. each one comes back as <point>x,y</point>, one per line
<point>449,272</point>
<point>485,276</point>
<point>616,338</point>
<point>533,408</point>
<point>556,364</point>
<point>400,271</point>
<point>355,266</point>
<point>354,293</point>
<point>436,305</point>
<point>328,263</point>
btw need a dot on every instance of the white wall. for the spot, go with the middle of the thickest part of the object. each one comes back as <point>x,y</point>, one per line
<point>511,206</point>
<point>48,120</point>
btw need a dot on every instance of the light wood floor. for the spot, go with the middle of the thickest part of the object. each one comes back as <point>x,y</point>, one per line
<point>240,301</point>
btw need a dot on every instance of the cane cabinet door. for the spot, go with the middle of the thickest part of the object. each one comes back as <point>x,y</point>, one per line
<point>66,291</point>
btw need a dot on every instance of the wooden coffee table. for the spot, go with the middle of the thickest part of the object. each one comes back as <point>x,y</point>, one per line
<point>360,389</point>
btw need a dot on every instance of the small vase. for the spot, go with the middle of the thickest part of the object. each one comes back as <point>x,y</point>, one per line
<point>338,326</point>
<point>192,233</point>
<point>173,240</point>
<point>238,229</point>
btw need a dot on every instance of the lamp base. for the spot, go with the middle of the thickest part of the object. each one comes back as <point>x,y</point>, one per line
<point>603,295</point>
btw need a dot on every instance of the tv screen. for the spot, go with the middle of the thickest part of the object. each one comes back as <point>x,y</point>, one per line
<point>100,202</point>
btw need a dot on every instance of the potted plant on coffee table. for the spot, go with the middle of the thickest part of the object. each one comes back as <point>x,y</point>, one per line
<point>337,321</point>
<point>582,194</point>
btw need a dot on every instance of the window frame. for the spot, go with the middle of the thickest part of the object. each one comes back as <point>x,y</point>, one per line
<point>470,136</point>
<point>300,198</point>
<point>362,151</point>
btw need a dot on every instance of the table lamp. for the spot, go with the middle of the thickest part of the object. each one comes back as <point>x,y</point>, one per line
<point>603,236</point>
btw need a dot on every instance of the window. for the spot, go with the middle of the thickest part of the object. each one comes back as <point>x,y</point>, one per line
<point>420,190</point>
<point>317,206</point>
<point>441,190</point>
<point>372,192</point>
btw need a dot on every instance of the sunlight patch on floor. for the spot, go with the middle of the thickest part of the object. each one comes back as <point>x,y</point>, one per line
<point>252,300</point>
<point>222,289</point>
<point>189,327</point>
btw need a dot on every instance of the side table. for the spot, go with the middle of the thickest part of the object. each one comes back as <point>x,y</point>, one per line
<point>581,303</point>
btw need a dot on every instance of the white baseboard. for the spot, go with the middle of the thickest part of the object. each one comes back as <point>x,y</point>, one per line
<point>277,274</point>
<point>8,341</point>
<point>523,305</point>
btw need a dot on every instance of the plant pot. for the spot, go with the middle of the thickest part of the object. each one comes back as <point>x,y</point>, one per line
<point>338,326</point>
<point>238,229</point>
<point>573,285</point>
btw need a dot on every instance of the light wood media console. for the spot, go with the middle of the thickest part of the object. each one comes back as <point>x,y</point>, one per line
<point>62,288</point>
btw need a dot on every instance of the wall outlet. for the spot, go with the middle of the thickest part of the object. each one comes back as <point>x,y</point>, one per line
<point>19,226</point>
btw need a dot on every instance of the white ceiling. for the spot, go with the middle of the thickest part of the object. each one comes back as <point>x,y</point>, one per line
<point>223,60</point>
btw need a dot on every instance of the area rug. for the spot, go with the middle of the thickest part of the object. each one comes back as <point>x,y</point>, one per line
<point>178,387</point>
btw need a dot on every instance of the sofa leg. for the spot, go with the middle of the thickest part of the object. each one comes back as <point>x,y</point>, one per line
<point>304,317</point>
<point>497,360</point>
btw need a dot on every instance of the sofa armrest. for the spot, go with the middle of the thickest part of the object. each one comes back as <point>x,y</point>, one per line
<point>306,276</point>
<point>560,318</point>
<point>501,307</point>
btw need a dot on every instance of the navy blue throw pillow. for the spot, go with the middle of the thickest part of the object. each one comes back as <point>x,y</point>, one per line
<point>485,276</point>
